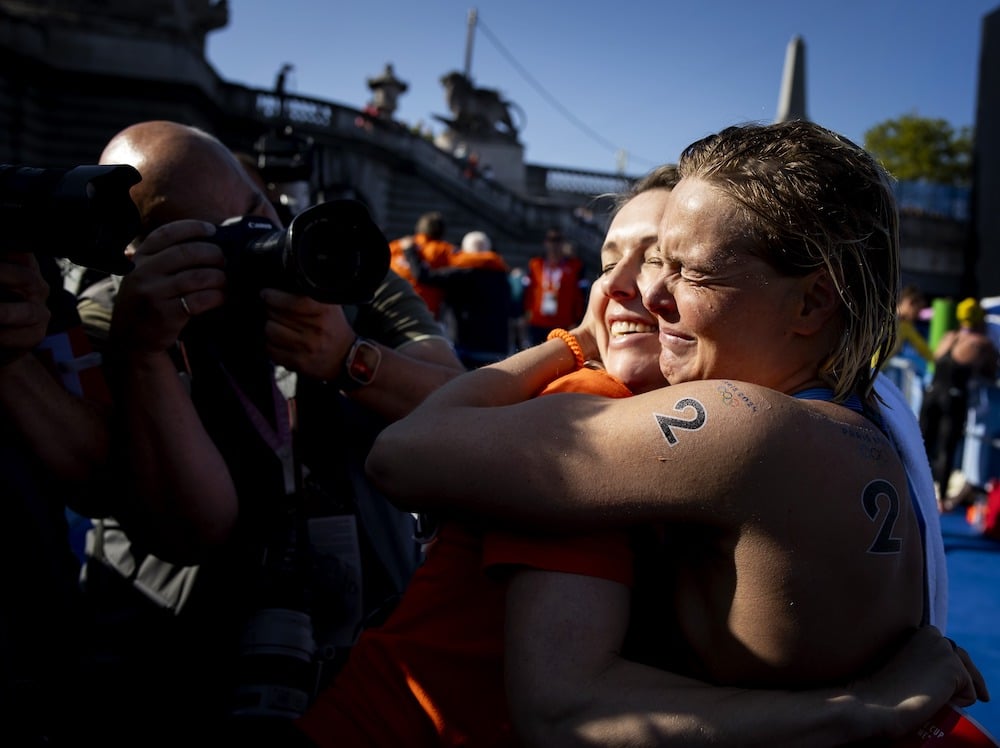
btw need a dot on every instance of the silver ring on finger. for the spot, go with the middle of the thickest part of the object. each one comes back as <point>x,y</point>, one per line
<point>187,309</point>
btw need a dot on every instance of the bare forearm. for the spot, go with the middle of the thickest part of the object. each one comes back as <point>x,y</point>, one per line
<point>187,497</point>
<point>567,685</point>
<point>68,434</point>
<point>627,704</point>
<point>403,382</point>
<point>640,706</point>
<point>451,410</point>
<point>513,380</point>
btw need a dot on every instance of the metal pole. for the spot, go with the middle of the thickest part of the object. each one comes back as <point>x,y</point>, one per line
<point>468,43</point>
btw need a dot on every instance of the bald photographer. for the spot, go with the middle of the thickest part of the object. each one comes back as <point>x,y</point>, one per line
<point>228,477</point>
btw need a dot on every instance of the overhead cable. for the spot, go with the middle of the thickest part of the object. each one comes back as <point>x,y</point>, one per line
<point>583,127</point>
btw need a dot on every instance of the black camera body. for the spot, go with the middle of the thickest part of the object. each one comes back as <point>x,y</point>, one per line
<point>83,213</point>
<point>332,252</point>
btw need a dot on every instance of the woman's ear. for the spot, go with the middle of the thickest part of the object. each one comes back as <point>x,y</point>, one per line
<point>819,301</point>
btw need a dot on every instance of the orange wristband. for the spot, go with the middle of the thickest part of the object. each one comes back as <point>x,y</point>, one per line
<point>571,341</point>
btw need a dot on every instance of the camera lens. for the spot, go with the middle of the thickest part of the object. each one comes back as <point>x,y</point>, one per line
<point>337,253</point>
<point>277,676</point>
<point>319,263</point>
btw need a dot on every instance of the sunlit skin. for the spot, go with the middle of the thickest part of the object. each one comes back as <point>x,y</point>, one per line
<point>183,192</point>
<point>713,321</point>
<point>629,261</point>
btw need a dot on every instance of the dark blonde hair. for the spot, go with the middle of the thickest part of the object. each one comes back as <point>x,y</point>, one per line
<point>813,199</point>
<point>663,177</point>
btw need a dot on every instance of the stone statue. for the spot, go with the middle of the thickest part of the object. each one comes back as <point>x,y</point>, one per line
<point>386,90</point>
<point>478,111</point>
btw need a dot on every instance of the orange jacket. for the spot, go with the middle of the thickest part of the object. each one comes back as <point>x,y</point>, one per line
<point>435,252</point>
<point>486,260</point>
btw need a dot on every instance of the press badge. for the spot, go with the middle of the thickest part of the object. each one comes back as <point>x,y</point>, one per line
<point>550,305</point>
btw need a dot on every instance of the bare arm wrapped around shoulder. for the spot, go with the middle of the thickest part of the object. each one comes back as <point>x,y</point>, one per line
<point>568,686</point>
<point>479,444</point>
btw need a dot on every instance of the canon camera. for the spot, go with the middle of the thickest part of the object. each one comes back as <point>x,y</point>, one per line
<point>83,213</point>
<point>332,252</point>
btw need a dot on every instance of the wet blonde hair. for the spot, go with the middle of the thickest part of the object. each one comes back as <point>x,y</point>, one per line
<point>813,199</point>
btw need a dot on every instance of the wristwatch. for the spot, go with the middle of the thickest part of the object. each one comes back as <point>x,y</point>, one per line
<point>360,366</point>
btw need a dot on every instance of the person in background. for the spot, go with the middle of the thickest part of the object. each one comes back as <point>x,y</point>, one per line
<point>553,295</point>
<point>777,271</point>
<point>425,247</point>
<point>517,280</point>
<point>54,441</point>
<point>399,685</point>
<point>221,476</point>
<point>911,303</point>
<point>476,300</point>
<point>907,363</point>
<point>962,357</point>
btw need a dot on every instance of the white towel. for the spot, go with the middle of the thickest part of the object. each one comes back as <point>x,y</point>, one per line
<point>904,430</point>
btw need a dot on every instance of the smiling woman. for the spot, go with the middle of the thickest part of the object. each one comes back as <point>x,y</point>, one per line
<point>629,259</point>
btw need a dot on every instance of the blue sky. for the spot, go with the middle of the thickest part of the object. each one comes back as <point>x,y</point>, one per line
<point>643,76</point>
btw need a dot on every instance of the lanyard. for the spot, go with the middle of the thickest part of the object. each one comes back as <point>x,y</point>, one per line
<point>278,439</point>
<point>551,278</point>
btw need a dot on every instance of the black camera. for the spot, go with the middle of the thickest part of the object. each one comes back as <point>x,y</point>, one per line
<point>84,213</point>
<point>332,252</point>
<point>276,675</point>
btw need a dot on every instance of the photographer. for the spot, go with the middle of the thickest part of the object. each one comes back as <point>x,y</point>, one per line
<point>53,441</point>
<point>209,440</point>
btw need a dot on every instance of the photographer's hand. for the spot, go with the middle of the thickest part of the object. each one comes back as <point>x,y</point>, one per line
<point>186,502</point>
<point>306,336</point>
<point>175,277</point>
<point>24,317</point>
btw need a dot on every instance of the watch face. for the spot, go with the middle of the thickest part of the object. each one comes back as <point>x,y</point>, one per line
<point>364,362</point>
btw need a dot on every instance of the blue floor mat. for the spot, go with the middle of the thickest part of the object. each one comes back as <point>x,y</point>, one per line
<point>974,606</point>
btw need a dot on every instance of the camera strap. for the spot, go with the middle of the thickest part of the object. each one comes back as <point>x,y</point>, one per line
<point>278,439</point>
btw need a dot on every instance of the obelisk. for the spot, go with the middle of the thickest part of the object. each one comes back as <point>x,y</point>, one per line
<point>792,102</point>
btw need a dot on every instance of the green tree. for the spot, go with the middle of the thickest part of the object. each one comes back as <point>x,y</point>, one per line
<point>913,147</point>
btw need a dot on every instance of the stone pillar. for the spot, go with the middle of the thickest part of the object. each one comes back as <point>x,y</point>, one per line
<point>386,90</point>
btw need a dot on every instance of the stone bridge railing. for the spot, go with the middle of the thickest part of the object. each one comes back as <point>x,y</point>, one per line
<point>552,194</point>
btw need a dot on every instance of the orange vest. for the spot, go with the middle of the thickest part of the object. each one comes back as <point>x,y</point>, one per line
<point>553,297</point>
